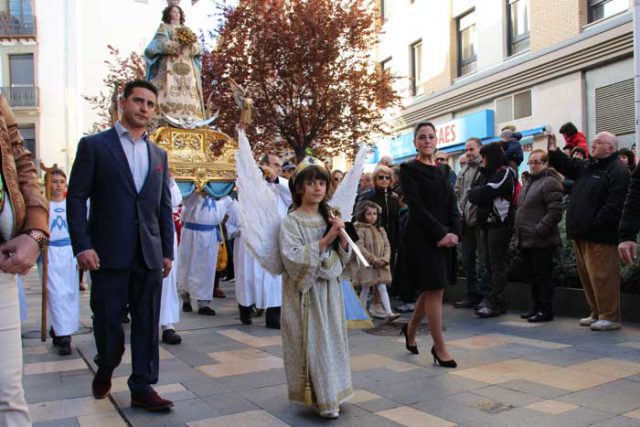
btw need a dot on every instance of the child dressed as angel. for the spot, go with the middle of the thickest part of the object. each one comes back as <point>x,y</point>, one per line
<point>314,333</point>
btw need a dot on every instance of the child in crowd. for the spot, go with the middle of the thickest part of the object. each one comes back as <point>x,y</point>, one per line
<point>314,333</point>
<point>63,304</point>
<point>375,247</point>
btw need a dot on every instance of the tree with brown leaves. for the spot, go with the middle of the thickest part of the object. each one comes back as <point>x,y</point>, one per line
<point>120,70</point>
<point>308,66</point>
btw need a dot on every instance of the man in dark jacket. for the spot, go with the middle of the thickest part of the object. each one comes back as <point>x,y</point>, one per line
<point>630,221</point>
<point>593,215</point>
<point>536,231</point>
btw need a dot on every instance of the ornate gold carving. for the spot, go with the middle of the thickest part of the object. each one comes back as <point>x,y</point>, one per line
<point>198,155</point>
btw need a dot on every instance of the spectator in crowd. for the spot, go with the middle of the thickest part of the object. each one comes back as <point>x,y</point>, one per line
<point>24,232</point>
<point>366,183</point>
<point>493,194</point>
<point>628,158</point>
<point>578,153</point>
<point>432,230</point>
<point>287,169</point>
<point>388,201</point>
<point>395,179</point>
<point>572,137</point>
<point>630,222</point>
<point>441,158</point>
<point>512,148</point>
<point>477,283</point>
<point>536,232</point>
<point>462,161</point>
<point>593,215</point>
<point>405,291</point>
<point>336,178</point>
<point>386,161</point>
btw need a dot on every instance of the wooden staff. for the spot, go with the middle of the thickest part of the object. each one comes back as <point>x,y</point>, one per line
<point>45,255</point>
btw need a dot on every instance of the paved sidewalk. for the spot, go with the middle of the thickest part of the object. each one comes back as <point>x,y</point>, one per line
<point>510,373</point>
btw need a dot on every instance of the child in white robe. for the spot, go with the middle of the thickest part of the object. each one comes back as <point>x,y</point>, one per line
<point>63,303</point>
<point>314,333</point>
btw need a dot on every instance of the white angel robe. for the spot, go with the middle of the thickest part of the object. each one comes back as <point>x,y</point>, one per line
<point>201,237</point>
<point>169,300</point>
<point>63,280</point>
<point>255,285</point>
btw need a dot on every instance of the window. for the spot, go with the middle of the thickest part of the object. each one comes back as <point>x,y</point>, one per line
<point>21,70</point>
<point>28,133</point>
<point>416,68</point>
<point>386,65</point>
<point>615,108</point>
<point>513,107</point>
<point>384,9</point>
<point>600,9</point>
<point>466,44</point>
<point>518,14</point>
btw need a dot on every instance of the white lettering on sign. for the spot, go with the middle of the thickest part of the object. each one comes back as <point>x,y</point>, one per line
<point>447,133</point>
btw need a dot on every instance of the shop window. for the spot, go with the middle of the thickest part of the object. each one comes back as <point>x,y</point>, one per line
<point>518,23</point>
<point>615,108</point>
<point>467,59</point>
<point>513,107</point>
<point>416,68</point>
<point>600,9</point>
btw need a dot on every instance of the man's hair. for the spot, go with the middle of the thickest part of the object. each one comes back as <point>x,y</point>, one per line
<point>477,140</point>
<point>264,160</point>
<point>543,154</point>
<point>128,88</point>
<point>512,128</point>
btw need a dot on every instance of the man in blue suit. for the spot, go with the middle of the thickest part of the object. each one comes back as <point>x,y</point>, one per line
<point>126,242</point>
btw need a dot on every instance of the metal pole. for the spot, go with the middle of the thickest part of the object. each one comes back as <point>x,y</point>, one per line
<point>636,69</point>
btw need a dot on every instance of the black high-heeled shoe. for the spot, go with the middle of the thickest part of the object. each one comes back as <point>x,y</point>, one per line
<point>444,363</point>
<point>412,348</point>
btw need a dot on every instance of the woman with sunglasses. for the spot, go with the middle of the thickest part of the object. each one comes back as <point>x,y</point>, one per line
<point>431,231</point>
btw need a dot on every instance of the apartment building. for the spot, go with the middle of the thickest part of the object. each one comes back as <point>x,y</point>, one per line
<point>475,66</point>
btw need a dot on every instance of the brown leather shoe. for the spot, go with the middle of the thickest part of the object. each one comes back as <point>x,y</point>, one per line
<point>151,402</point>
<point>101,385</point>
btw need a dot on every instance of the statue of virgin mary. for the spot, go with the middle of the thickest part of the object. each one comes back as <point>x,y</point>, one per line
<point>173,66</point>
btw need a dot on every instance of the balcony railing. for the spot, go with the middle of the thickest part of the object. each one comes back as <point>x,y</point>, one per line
<point>25,96</point>
<point>10,26</point>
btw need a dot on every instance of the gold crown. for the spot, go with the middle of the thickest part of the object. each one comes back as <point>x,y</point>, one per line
<point>309,161</point>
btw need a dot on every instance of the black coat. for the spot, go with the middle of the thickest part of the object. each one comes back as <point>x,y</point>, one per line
<point>597,196</point>
<point>630,220</point>
<point>434,213</point>
<point>483,195</point>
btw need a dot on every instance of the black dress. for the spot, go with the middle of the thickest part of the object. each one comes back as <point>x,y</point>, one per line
<point>433,214</point>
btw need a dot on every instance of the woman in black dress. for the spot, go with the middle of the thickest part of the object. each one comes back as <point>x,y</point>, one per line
<point>432,230</point>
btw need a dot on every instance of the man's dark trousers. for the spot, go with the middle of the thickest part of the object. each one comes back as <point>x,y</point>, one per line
<point>140,288</point>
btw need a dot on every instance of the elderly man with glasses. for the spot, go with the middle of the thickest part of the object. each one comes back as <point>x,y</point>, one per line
<point>593,215</point>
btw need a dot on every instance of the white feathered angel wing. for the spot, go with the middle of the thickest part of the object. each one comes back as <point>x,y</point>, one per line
<point>257,209</point>
<point>345,195</point>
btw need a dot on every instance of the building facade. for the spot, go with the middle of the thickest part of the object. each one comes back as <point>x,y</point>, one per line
<point>473,67</point>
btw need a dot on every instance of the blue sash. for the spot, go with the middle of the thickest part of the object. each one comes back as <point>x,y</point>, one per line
<point>60,242</point>
<point>203,227</point>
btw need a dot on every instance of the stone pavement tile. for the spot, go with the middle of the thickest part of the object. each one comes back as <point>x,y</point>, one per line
<point>506,396</point>
<point>501,372</point>
<point>411,392</point>
<point>553,407</point>
<point>229,403</point>
<point>64,422</point>
<point>517,350</point>
<point>539,390</point>
<point>634,378</point>
<point>240,362</point>
<point>520,324</point>
<point>631,344</point>
<point>377,405</point>
<point>46,387</point>
<point>619,421</point>
<point>256,418</point>
<point>173,392</point>
<point>102,420</point>
<point>568,379</point>
<point>251,340</point>
<point>563,357</point>
<point>66,408</point>
<point>36,349</point>
<point>608,367</point>
<point>183,411</point>
<point>617,397</point>
<point>56,366</point>
<point>633,414</point>
<point>411,417</point>
<point>462,409</point>
<point>376,361</point>
<point>360,396</point>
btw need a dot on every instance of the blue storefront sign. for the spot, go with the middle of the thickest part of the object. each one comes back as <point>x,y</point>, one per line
<point>451,136</point>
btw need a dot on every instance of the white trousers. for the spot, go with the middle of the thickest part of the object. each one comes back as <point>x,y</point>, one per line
<point>14,411</point>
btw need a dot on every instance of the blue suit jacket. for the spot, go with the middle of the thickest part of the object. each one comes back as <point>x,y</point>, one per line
<point>119,215</point>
